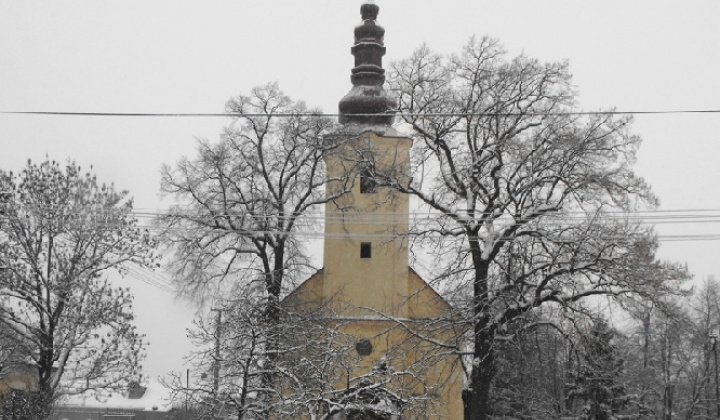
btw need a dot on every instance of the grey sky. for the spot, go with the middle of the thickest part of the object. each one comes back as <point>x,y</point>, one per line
<point>166,56</point>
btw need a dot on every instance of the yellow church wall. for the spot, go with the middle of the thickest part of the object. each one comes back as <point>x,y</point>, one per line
<point>419,301</point>
<point>381,299</point>
<point>379,218</point>
<point>428,375</point>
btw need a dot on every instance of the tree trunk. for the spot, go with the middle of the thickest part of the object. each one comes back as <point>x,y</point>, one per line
<point>41,404</point>
<point>477,398</point>
<point>42,401</point>
<point>272,318</point>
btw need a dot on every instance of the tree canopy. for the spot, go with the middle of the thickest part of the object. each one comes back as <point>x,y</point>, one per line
<point>241,199</point>
<point>527,198</point>
<point>60,233</point>
<point>242,204</point>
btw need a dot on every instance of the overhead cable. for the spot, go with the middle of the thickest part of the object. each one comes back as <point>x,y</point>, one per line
<point>323,114</point>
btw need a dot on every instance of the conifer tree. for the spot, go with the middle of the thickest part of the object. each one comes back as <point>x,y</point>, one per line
<point>596,388</point>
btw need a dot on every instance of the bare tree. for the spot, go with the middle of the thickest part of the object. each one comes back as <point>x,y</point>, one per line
<point>671,357</point>
<point>315,373</point>
<point>525,196</point>
<point>60,232</point>
<point>326,377</point>
<point>705,312</point>
<point>243,202</point>
<point>229,345</point>
<point>655,320</point>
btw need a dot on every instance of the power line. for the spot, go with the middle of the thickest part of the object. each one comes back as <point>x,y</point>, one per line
<point>390,235</point>
<point>145,212</point>
<point>95,217</point>
<point>309,226</point>
<point>256,225</point>
<point>323,114</point>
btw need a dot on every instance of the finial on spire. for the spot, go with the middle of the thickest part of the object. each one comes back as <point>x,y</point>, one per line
<point>369,11</point>
<point>367,95</point>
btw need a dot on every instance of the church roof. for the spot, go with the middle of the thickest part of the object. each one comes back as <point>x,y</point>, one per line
<point>428,302</point>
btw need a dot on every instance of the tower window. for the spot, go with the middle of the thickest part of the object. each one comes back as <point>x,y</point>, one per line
<point>368,185</point>
<point>365,250</point>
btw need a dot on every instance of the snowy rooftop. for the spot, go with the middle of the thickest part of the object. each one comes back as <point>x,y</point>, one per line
<point>155,398</point>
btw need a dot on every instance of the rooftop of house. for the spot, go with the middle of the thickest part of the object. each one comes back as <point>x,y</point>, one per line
<point>154,397</point>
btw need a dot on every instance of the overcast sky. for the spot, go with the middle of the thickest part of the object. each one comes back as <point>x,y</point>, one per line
<point>174,56</point>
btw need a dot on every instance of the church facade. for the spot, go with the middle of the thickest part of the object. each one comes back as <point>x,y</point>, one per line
<point>397,335</point>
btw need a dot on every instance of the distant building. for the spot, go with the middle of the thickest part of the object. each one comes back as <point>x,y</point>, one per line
<point>18,373</point>
<point>18,388</point>
<point>18,377</point>
<point>150,402</point>
<point>366,284</point>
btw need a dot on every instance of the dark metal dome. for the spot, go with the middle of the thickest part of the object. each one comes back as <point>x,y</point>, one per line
<point>367,95</point>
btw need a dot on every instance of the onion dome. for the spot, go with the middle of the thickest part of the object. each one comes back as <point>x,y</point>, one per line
<point>367,95</point>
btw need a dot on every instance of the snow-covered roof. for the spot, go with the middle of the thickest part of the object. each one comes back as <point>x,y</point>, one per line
<point>155,398</point>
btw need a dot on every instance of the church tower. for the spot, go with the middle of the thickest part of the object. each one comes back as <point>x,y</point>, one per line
<point>366,230</point>
<point>391,318</point>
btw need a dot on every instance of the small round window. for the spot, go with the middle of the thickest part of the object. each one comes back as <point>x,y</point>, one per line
<point>364,347</point>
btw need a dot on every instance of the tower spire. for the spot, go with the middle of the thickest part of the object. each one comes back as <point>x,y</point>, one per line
<point>367,95</point>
